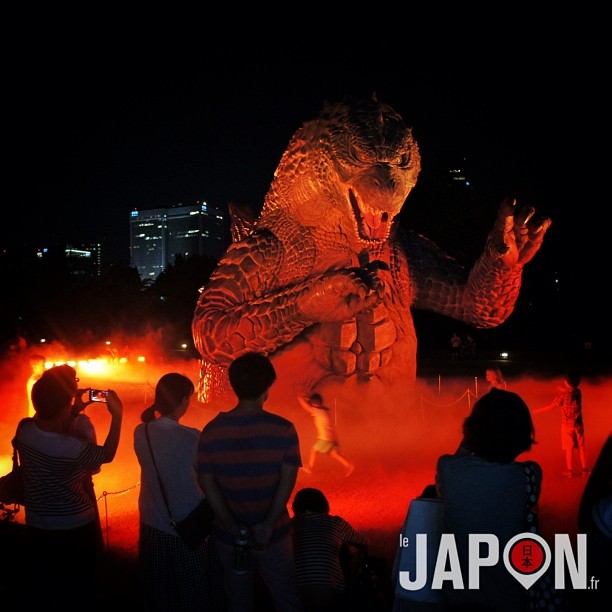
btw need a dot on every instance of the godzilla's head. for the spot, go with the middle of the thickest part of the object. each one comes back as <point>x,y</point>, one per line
<point>348,171</point>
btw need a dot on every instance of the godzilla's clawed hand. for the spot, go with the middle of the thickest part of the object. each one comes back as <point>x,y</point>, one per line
<point>517,234</point>
<point>341,294</point>
<point>369,274</point>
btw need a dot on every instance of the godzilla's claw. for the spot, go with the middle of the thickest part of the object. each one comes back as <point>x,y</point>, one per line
<point>517,234</point>
<point>523,216</point>
<point>508,207</point>
<point>537,230</point>
<point>368,274</point>
<point>378,264</point>
<point>339,295</point>
<point>540,225</point>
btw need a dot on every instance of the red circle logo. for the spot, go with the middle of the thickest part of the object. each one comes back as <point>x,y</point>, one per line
<point>527,555</point>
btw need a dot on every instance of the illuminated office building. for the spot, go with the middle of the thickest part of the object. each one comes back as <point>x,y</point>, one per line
<point>158,235</point>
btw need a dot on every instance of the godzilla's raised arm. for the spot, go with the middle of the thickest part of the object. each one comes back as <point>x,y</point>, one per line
<point>485,296</point>
<point>257,300</point>
<point>494,281</point>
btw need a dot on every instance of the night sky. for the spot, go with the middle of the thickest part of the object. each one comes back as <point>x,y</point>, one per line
<point>93,134</point>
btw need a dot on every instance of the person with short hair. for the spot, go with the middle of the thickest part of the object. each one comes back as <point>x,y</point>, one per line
<point>248,461</point>
<point>485,491</point>
<point>60,511</point>
<point>319,540</point>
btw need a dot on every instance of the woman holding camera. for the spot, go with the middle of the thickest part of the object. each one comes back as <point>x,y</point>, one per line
<point>58,455</point>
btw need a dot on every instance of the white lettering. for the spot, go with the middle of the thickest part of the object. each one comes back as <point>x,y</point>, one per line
<point>447,551</point>
<point>448,569</point>
<point>476,561</point>
<point>421,566</point>
<point>577,570</point>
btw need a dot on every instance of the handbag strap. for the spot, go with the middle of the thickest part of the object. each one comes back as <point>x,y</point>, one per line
<point>161,484</point>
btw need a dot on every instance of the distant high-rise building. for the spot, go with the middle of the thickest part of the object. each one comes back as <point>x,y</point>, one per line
<point>158,235</point>
<point>84,260</point>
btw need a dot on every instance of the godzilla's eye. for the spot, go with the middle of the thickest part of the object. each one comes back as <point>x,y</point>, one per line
<point>403,160</point>
<point>354,155</point>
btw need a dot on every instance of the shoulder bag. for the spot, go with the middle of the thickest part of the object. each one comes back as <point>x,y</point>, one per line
<point>424,516</point>
<point>11,484</point>
<point>197,525</point>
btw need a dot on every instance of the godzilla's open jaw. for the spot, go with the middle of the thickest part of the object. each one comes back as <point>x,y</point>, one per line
<point>370,225</point>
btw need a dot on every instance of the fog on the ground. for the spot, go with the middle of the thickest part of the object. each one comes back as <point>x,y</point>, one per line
<point>394,446</point>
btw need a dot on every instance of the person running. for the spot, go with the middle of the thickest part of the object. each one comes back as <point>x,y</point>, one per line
<point>327,437</point>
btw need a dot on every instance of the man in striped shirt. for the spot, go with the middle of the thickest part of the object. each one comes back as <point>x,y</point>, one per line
<point>248,460</point>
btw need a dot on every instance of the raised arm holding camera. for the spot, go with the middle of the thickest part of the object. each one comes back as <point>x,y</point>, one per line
<point>59,453</point>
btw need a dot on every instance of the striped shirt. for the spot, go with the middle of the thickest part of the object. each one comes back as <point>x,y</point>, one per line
<point>55,469</point>
<point>317,539</point>
<point>244,451</point>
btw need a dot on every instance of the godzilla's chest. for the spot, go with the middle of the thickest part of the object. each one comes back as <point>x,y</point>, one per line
<point>361,345</point>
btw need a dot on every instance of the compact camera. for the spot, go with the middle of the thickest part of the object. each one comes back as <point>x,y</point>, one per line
<point>98,395</point>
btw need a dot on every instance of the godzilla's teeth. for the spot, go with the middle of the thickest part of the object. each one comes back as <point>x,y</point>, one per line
<point>369,219</point>
<point>366,210</point>
<point>372,217</point>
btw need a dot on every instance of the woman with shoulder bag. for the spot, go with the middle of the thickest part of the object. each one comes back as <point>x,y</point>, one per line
<point>483,489</point>
<point>173,575</point>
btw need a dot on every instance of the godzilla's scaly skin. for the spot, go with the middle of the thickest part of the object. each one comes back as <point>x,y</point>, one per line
<point>325,264</point>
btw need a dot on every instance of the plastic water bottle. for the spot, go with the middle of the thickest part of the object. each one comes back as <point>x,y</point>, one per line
<point>241,557</point>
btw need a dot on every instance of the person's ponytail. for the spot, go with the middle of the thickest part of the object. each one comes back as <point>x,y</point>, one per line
<point>148,414</point>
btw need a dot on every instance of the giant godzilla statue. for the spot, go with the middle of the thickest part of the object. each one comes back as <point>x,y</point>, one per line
<point>324,276</point>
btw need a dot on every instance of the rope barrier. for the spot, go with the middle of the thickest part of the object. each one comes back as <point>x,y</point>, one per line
<point>105,495</point>
<point>467,393</point>
<point>124,492</point>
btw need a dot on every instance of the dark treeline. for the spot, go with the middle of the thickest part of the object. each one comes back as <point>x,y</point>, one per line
<point>47,299</point>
